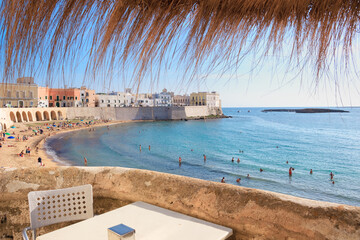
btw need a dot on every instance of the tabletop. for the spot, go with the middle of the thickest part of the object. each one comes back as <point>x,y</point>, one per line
<point>150,222</point>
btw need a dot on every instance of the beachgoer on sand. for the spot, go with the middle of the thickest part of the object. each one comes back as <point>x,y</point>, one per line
<point>223,180</point>
<point>40,161</point>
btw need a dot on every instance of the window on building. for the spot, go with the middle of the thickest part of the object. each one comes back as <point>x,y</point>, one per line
<point>75,98</point>
<point>87,100</point>
<point>45,97</point>
<point>40,98</point>
<point>108,101</point>
<point>51,104</point>
<point>8,94</point>
<point>68,98</point>
<point>114,101</point>
<point>30,94</point>
<point>31,103</point>
<point>57,98</point>
<point>23,94</point>
<point>17,95</point>
<point>64,97</point>
<point>102,101</point>
<point>51,98</point>
<point>87,94</point>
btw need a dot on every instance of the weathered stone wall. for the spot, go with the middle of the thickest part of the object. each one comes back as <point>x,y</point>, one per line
<point>9,116</point>
<point>252,214</point>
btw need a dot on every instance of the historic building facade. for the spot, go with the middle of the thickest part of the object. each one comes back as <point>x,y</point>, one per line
<point>22,94</point>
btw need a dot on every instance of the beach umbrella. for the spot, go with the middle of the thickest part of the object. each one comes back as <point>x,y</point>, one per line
<point>34,130</point>
<point>12,127</point>
<point>11,137</point>
<point>54,125</point>
<point>48,127</point>
<point>7,133</point>
<point>81,120</point>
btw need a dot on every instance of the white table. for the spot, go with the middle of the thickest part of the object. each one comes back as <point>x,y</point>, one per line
<point>150,223</point>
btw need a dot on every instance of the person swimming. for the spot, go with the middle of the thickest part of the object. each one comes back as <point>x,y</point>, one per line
<point>238,180</point>
<point>248,176</point>
<point>261,170</point>
<point>331,176</point>
<point>311,171</point>
<point>238,161</point>
<point>232,159</point>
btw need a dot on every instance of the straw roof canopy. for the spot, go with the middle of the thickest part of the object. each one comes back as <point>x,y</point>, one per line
<point>195,32</point>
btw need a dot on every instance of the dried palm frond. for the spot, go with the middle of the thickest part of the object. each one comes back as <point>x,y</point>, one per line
<point>195,32</point>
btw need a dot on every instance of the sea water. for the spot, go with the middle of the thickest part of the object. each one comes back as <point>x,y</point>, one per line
<point>323,142</point>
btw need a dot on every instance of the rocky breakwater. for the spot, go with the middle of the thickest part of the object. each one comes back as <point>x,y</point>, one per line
<point>306,110</point>
<point>251,213</point>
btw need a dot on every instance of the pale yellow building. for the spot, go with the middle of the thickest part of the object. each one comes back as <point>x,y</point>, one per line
<point>211,99</point>
<point>23,93</point>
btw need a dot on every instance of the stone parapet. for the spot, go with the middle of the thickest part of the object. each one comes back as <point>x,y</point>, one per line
<point>251,213</point>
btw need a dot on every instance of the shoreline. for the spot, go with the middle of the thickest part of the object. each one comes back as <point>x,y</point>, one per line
<point>11,147</point>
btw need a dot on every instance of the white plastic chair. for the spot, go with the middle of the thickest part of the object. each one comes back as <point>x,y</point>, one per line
<point>61,205</point>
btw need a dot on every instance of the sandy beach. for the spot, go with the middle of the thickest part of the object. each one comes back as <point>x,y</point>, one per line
<point>11,148</point>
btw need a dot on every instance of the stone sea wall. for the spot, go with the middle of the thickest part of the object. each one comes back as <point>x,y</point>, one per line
<point>9,116</point>
<point>143,113</point>
<point>251,213</point>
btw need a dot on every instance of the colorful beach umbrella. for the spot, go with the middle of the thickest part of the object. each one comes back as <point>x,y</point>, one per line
<point>34,130</point>
<point>7,133</point>
<point>12,127</point>
<point>11,137</point>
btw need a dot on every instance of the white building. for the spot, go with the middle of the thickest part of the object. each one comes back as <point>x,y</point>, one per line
<point>163,99</point>
<point>107,100</point>
<point>213,100</point>
<point>144,100</point>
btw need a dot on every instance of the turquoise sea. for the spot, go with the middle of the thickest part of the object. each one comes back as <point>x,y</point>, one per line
<point>323,142</point>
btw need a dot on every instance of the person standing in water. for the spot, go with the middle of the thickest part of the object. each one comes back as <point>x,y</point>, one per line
<point>85,161</point>
<point>149,147</point>
<point>179,161</point>
<point>204,158</point>
<point>311,172</point>
<point>290,171</point>
<point>140,147</point>
<point>331,176</point>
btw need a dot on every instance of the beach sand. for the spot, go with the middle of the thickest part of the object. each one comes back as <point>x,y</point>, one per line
<point>11,148</point>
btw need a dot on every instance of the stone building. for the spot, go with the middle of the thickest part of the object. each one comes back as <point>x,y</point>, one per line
<point>60,97</point>
<point>181,100</point>
<point>211,99</point>
<point>163,99</point>
<point>23,93</point>
<point>87,97</point>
